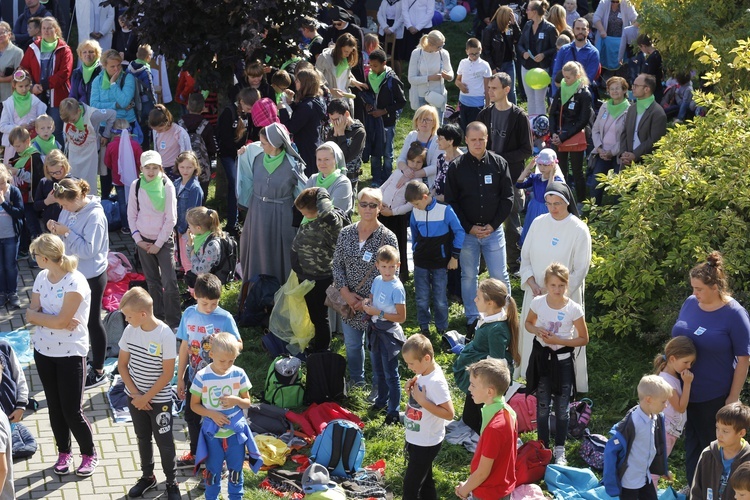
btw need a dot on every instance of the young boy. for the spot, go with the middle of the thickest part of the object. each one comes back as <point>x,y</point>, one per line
<point>437,237</point>
<point>45,141</point>
<point>198,126</point>
<point>280,82</point>
<point>221,393</point>
<point>146,365</point>
<point>199,324</point>
<point>720,461</point>
<point>493,468</point>
<point>27,168</point>
<point>7,489</point>
<point>740,482</point>
<point>141,69</point>
<point>473,75</point>
<point>387,306</point>
<point>427,411</point>
<point>638,446</point>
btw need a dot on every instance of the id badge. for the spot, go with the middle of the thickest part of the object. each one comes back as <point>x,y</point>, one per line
<point>541,36</point>
<point>572,105</point>
<point>367,256</point>
<point>488,179</point>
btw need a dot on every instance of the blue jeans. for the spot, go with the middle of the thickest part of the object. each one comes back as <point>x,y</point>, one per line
<point>493,249</point>
<point>510,68</point>
<point>8,253</point>
<point>122,203</point>
<point>545,398</point>
<point>440,111</point>
<point>435,281</point>
<point>381,168</point>
<point>230,169</point>
<point>234,456</point>
<point>385,377</point>
<point>354,340</point>
<point>59,132</point>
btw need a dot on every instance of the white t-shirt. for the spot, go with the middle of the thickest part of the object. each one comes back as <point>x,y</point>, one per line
<point>674,420</point>
<point>422,427</point>
<point>60,343</point>
<point>148,350</point>
<point>557,321</point>
<point>473,74</point>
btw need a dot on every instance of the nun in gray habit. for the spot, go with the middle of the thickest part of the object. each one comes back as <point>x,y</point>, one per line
<point>270,176</point>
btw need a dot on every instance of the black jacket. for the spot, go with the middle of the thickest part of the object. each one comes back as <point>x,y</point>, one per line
<point>305,127</point>
<point>518,146</point>
<point>544,45</point>
<point>576,114</point>
<point>14,207</point>
<point>499,47</point>
<point>391,97</point>
<point>226,129</point>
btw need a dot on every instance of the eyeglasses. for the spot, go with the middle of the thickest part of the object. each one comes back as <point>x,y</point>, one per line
<point>364,204</point>
<point>56,173</point>
<point>427,120</point>
<point>20,75</point>
<point>639,85</point>
<point>58,188</point>
<point>3,33</point>
<point>554,203</point>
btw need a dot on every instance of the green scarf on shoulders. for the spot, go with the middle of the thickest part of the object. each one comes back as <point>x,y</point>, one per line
<point>88,71</point>
<point>45,145</point>
<point>48,46</point>
<point>272,162</point>
<point>22,103</point>
<point>341,67</point>
<point>567,91</point>
<point>305,220</point>
<point>489,411</point>
<point>642,104</point>
<point>155,191</point>
<point>24,157</point>
<point>79,122</point>
<point>199,240</point>
<point>328,181</point>
<point>144,63</point>
<point>616,110</point>
<point>376,80</point>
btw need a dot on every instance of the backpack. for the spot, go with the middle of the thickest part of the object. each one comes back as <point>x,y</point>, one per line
<point>199,148</point>
<point>256,300</point>
<point>114,326</point>
<point>268,419</point>
<point>224,269</point>
<point>112,212</point>
<point>525,407</point>
<point>284,383</point>
<point>118,266</point>
<point>340,448</point>
<point>326,372</point>
<point>592,449</point>
<point>142,94</point>
<point>580,415</point>
<point>136,102</point>
<point>531,462</point>
<point>138,189</point>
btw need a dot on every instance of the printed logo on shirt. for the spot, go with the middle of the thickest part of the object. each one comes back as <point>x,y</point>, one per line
<point>700,331</point>
<point>163,145</point>
<point>60,293</point>
<point>382,298</point>
<point>215,394</point>
<point>555,241</point>
<point>560,315</point>
<point>488,179</point>
<point>154,349</point>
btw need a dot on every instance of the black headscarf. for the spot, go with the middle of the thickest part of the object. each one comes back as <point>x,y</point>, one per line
<point>563,191</point>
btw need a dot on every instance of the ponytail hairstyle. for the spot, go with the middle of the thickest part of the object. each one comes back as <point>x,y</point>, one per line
<point>206,218</point>
<point>679,347</point>
<point>52,247</point>
<point>160,117</point>
<point>192,158</point>
<point>712,273</point>
<point>495,291</point>
<point>70,189</point>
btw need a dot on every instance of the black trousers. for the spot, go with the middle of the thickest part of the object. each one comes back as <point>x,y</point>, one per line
<point>472,415</point>
<point>700,430</point>
<point>645,492</point>
<point>418,481</point>
<point>192,419</point>
<point>315,300</point>
<point>576,166</point>
<point>156,422</point>
<point>97,334</point>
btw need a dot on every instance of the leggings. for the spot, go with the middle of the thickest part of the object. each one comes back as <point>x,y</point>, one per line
<point>97,334</point>
<point>418,481</point>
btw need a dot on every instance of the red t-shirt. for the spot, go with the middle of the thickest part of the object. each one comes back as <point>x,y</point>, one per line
<point>498,442</point>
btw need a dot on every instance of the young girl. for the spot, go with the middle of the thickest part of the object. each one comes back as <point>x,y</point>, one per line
<point>202,251</point>
<point>19,110</point>
<point>152,215</point>
<point>558,325</point>
<point>547,171</point>
<point>11,217</point>
<point>496,336</point>
<point>396,210</point>
<point>169,138</point>
<point>673,366</point>
<point>189,195</point>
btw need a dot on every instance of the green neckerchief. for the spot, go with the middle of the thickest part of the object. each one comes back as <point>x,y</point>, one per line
<point>22,103</point>
<point>204,93</point>
<point>294,59</point>
<point>376,80</point>
<point>567,91</point>
<point>79,123</point>
<point>272,162</point>
<point>616,110</point>
<point>329,180</point>
<point>48,46</point>
<point>278,97</point>
<point>88,71</point>
<point>642,104</point>
<point>105,80</point>
<point>45,145</point>
<point>199,240</point>
<point>490,410</point>
<point>341,67</point>
<point>155,191</point>
<point>144,63</point>
<point>24,157</point>
<point>305,220</point>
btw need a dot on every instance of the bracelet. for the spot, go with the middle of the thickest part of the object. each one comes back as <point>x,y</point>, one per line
<point>134,232</point>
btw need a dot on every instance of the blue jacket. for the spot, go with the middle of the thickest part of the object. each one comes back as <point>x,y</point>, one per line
<point>588,56</point>
<point>119,96</point>
<point>433,231</point>
<point>78,89</point>
<point>617,451</point>
<point>190,197</point>
<point>242,433</point>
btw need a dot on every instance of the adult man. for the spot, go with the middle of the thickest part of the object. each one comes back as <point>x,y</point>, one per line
<point>510,137</point>
<point>580,50</point>
<point>479,188</point>
<point>645,123</point>
<point>350,136</point>
<point>33,9</point>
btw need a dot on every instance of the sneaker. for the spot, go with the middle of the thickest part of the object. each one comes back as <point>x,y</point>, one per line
<point>392,419</point>
<point>142,486</point>
<point>88,465</point>
<point>125,230</point>
<point>13,301</point>
<point>3,299</point>
<point>559,455</point>
<point>373,396</point>
<point>425,331</point>
<point>186,461</point>
<point>64,464</point>
<point>173,491</point>
<point>376,408</point>
<point>95,379</point>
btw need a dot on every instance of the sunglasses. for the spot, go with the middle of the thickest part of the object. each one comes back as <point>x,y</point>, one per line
<point>368,205</point>
<point>20,75</point>
<point>58,188</point>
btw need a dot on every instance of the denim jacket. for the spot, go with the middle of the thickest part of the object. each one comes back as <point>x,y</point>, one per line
<point>190,197</point>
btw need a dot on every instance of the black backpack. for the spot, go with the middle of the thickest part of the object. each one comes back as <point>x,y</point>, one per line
<point>326,372</point>
<point>225,268</point>
<point>268,419</point>
<point>199,148</point>
<point>257,299</point>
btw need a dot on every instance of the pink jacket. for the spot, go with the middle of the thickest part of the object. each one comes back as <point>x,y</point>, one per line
<point>149,223</point>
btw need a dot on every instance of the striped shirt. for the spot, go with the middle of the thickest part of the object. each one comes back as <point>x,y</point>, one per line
<point>211,386</point>
<point>148,350</point>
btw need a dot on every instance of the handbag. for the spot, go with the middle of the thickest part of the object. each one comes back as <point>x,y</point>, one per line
<point>576,143</point>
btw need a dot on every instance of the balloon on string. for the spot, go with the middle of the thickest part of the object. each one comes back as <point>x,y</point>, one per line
<point>437,18</point>
<point>458,13</point>
<point>537,79</point>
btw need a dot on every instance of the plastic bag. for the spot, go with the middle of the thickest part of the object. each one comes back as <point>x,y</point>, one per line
<point>20,341</point>
<point>290,319</point>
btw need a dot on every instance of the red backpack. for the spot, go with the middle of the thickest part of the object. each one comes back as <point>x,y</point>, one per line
<point>525,408</point>
<point>531,462</point>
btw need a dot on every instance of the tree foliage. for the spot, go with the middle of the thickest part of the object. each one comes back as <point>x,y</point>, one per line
<point>688,198</point>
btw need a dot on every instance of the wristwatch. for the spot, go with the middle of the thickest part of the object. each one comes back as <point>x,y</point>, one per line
<point>381,315</point>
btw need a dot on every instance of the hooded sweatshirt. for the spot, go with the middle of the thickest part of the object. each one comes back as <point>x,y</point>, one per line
<point>88,238</point>
<point>710,468</point>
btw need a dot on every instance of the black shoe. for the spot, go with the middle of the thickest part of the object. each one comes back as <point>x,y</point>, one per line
<point>425,331</point>
<point>376,409</point>
<point>143,485</point>
<point>173,491</point>
<point>393,419</point>
<point>95,379</point>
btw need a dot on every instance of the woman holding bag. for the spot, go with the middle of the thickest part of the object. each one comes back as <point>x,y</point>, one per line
<point>429,69</point>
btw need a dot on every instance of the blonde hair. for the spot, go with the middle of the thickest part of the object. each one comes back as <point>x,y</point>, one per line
<point>137,299</point>
<point>110,54</point>
<point>52,247</point>
<point>419,346</point>
<point>492,372</point>
<point>654,386</point>
<point>192,158</point>
<point>557,15</point>
<point>44,118</point>
<point>53,159</point>
<point>89,44</point>
<point>424,110</point>
<point>503,17</point>
<point>5,173</point>
<point>374,193</point>
<point>577,69</point>
<point>55,25</point>
<point>557,270</point>
<point>225,342</point>
<point>68,109</point>
<point>433,38</point>
<point>207,218</point>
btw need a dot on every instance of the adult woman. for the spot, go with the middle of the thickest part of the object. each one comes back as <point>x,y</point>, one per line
<point>499,41</point>
<point>605,134</point>
<point>89,52</point>
<point>417,16</point>
<point>425,124</point>
<point>559,236</point>
<point>270,177</point>
<point>332,176</point>
<point>56,168</point>
<point>720,329</point>
<point>354,271</point>
<point>83,227</point>
<point>429,68</point>
<point>557,16</point>
<point>609,20</point>
<point>309,112</point>
<point>537,50</point>
<point>59,308</point>
<point>336,65</point>
<point>569,114</point>
<point>50,62</point>
<point>114,88</point>
<point>10,59</point>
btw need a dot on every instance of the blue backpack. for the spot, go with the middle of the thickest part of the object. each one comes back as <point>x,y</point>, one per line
<point>340,448</point>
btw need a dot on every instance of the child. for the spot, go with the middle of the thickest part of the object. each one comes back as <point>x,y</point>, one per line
<point>280,82</point>
<point>571,14</point>
<point>189,196</point>
<point>124,165</point>
<point>27,168</point>
<point>7,489</point>
<point>21,109</point>
<point>437,237</point>
<point>12,211</point>
<point>169,138</point>
<point>221,393</point>
<point>371,43</point>
<point>309,30</point>
<point>198,327</point>
<point>395,211</point>
<point>146,365</point>
<point>82,140</point>
<point>740,482</point>
<point>428,409</point>
<point>152,214</point>
<point>203,247</point>
<point>56,168</point>
<point>674,367</point>
<point>473,75</point>
<point>387,306</point>
<point>546,163</point>
<point>493,467</point>
<point>642,429</point>
<point>720,460</point>
<point>141,69</point>
<point>496,336</point>
<point>45,141</point>
<point>559,326</point>
<point>202,137</point>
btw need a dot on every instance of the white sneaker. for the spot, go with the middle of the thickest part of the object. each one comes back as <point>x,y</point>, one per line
<point>559,455</point>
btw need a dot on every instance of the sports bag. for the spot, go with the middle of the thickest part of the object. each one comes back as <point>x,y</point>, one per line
<point>118,266</point>
<point>525,407</point>
<point>256,300</point>
<point>23,442</point>
<point>531,462</point>
<point>114,326</point>
<point>326,372</point>
<point>340,448</point>
<point>268,419</point>
<point>592,449</point>
<point>284,383</point>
